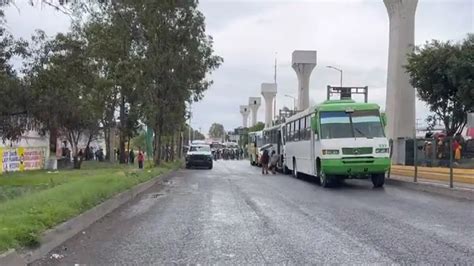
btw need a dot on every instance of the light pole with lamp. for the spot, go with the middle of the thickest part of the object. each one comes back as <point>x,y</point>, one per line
<point>340,71</point>
<point>294,101</point>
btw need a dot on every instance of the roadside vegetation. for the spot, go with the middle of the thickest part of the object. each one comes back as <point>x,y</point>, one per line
<point>32,202</point>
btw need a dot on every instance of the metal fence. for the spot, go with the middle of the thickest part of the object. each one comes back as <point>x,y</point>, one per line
<point>445,160</point>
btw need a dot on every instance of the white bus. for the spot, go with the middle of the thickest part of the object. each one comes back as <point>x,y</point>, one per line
<point>273,141</point>
<point>335,140</point>
<point>255,141</point>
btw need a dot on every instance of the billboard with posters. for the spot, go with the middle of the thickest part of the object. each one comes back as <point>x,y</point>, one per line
<point>22,159</point>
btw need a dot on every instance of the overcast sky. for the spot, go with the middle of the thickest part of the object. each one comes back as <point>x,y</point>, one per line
<point>349,34</point>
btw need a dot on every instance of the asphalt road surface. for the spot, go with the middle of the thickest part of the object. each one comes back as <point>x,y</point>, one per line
<point>234,215</point>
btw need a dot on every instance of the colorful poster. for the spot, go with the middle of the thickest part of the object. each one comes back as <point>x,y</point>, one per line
<point>21,159</point>
<point>33,158</point>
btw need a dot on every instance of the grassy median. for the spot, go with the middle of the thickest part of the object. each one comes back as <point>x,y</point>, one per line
<point>32,202</point>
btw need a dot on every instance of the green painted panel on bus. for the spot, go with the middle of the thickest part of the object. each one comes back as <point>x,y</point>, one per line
<point>355,166</point>
<point>315,124</point>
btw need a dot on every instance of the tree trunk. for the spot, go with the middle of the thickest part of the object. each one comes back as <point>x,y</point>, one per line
<point>157,146</point>
<point>108,149</point>
<point>180,144</point>
<point>77,162</point>
<point>172,145</point>
<point>123,126</point>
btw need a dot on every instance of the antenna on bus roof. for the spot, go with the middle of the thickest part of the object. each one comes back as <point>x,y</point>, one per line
<point>346,92</point>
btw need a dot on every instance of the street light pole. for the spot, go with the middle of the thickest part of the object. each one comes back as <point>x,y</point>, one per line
<point>294,101</point>
<point>337,69</point>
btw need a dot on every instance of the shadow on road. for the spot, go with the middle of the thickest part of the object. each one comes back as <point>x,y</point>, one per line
<point>345,184</point>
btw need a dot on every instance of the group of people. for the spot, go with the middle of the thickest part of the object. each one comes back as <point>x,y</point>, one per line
<point>130,157</point>
<point>269,162</point>
<point>228,154</point>
<point>439,148</point>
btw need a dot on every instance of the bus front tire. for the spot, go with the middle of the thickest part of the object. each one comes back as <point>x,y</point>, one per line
<point>324,180</point>
<point>378,180</point>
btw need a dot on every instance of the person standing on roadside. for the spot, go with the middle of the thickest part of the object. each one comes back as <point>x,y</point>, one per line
<point>140,158</point>
<point>132,157</point>
<point>273,162</point>
<point>264,160</point>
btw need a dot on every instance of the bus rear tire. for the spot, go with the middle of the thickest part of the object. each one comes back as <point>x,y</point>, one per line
<point>378,180</point>
<point>294,172</point>
<point>286,171</point>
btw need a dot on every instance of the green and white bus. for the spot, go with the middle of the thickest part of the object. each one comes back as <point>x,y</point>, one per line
<point>336,140</point>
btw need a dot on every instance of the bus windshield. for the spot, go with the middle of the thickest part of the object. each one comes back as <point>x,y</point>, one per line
<point>359,124</point>
<point>200,148</point>
<point>367,124</point>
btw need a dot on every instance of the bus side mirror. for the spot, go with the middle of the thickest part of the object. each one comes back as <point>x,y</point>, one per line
<point>314,125</point>
<point>383,117</point>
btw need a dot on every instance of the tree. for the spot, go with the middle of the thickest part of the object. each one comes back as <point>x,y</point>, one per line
<point>198,135</point>
<point>61,81</point>
<point>13,98</point>
<point>177,57</point>
<point>216,131</point>
<point>442,74</point>
<point>259,126</point>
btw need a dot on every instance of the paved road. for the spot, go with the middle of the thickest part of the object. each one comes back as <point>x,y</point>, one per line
<point>233,214</point>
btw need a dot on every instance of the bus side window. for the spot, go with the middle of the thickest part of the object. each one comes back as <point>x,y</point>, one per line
<point>297,130</point>
<point>308,127</point>
<point>287,133</point>
<point>291,132</point>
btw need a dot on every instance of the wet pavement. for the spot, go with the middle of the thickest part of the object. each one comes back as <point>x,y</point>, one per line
<point>234,215</point>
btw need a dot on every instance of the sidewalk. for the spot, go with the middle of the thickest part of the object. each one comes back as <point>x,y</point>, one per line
<point>461,177</point>
<point>444,183</point>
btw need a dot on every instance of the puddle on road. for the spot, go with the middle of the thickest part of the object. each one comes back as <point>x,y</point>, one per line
<point>143,206</point>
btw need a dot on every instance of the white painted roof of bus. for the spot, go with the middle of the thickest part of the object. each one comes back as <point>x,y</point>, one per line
<point>306,112</point>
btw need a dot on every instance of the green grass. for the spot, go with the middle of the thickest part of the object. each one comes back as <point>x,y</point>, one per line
<point>36,201</point>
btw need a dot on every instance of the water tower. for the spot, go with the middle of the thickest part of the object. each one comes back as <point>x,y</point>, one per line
<point>254,104</point>
<point>400,99</point>
<point>303,62</point>
<point>245,112</point>
<point>269,91</point>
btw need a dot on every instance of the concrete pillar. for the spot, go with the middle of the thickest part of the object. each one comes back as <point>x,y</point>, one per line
<point>254,104</point>
<point>400,100</point>
<point>303,62</point>
<point>245,112</point>
<point>269,91</point>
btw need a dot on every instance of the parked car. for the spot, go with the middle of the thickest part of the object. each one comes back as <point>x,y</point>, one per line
<point>199,155</point>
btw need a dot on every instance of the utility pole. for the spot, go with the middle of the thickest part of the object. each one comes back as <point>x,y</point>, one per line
<point>340,71</point>
<point>294,101</point>
<point>275,81</point>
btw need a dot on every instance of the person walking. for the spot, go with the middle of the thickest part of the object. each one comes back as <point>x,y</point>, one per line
<point>457,150</point>
<point>273,162</point>
<point>264,160</point>
<point>132,157</point>
<point>140,158</point>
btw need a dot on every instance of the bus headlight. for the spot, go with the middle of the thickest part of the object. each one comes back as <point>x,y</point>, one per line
<point>381,150</point>
<point>330,152</point>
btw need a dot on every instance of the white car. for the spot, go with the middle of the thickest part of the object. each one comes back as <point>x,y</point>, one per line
<point>199,155</point>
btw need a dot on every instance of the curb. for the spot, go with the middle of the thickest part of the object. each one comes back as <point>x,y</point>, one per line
<point>11,257</point>
<point>458,193</point>
<point>54,237</point>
